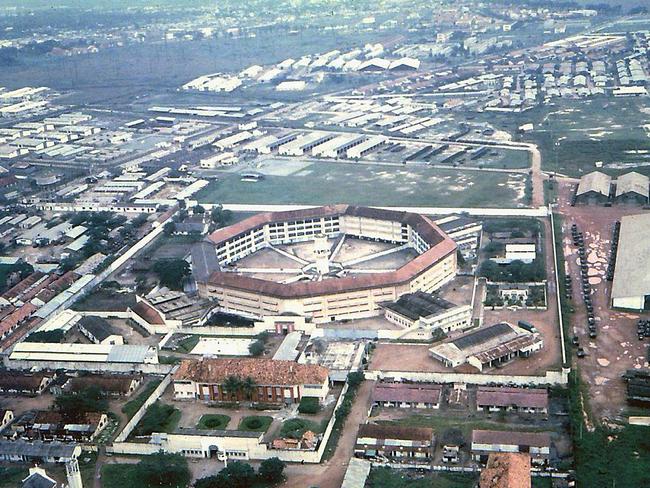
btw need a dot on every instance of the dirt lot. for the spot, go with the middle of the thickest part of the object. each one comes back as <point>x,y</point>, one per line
<point>617,347</point>
<point>416,357</point>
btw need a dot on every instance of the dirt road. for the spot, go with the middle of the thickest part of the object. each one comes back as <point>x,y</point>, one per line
<point>330,473</point>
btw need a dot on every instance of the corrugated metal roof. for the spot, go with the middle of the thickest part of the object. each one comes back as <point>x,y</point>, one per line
<point>595,181</point>
<point>633,183</point>
<point>631,277</point>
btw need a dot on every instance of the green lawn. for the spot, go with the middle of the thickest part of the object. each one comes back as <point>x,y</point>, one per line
<point>295,428</point>
<point>363,184</point>
<point>186,345</point>
<point>392,478</point>
<point>213,422</point>
<point>134,405</point>
<point>11,476</point>
<point>159,417</point>
<point>255,423</point>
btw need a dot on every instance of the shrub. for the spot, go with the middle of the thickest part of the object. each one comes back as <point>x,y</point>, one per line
<point>309,405</point>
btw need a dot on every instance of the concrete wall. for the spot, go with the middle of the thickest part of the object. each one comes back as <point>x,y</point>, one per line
<point>155,395</point>
<point>550,378</point>
<point>178,442</point>
<point>100,367</point>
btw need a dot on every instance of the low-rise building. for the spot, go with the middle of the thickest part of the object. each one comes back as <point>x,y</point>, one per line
<point>51,426</point>
<point>17,383</point>
<point>527,400</point>
<point>407,395</point>
<point>594,187</point>
<point>425,310</point>
<point>485,442</point>
<point>488,346</point>
<point>110,385</point>
<point>269,380</point>
<point>395,443</point>
<point>99,331</point>
<point>38,452</point>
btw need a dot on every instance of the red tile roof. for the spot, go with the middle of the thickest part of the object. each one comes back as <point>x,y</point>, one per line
<point>505,397</point>
<point>262,371</point>
<point>441,247</point>
<point>148,314</point>
<point>395,392</point>
<point>506,470</point>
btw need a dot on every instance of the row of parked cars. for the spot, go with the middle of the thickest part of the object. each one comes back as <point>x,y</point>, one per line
<point>578,241</point>
<point>612,255</point>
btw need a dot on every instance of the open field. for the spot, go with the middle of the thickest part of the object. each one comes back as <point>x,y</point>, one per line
<point>602,129</point>
<point>361,184</point>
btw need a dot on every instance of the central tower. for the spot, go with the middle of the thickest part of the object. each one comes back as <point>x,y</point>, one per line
<point>321,254</point>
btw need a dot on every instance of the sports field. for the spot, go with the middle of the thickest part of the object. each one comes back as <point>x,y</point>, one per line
<point>295,182</point>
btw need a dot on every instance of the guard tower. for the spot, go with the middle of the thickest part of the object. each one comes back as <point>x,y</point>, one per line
<point>322,254</point>
<point>73,474</point>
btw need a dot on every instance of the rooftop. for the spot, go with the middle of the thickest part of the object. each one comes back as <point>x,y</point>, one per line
<point>400,392</point>
<point>419,304</point>
<point>376,431</point>
<point>511,438</point>
<point>504,397</point>
<point>631,277</point>
<point>506,470</point>
<point>594,182</point>
<point>633,182</point>
<point>262,371</point>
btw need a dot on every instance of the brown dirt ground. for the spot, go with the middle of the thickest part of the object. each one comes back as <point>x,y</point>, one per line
<point>617,347</point>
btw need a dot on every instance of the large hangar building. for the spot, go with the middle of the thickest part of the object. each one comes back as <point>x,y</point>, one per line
<point>631,287</point>
<point>328,263</point>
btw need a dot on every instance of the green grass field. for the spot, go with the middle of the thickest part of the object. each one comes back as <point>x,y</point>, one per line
<point>363,184</point>
<point>573,134</point>
<point>134,405</point>
<point>255,423</point>
<point>213,422</point>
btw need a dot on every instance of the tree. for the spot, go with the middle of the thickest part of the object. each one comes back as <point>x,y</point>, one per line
<point>169,228</point>
<point>248,386</point>
<point>355,379</point>
<point>220,217</point>
<point>198,209</point>
<point>165,470</point>
<point>232,385</point>
<point>237,475</point>
<point>271,470</point>
<point>256,348</point>
<point>172,272</point>
<point>89,399</point>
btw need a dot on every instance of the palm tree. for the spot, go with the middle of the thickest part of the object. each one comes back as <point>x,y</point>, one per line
<point>232,385</point>
<point>248,387</point>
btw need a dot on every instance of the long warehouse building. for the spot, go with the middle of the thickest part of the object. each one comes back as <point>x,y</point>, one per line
<point>631,287</point>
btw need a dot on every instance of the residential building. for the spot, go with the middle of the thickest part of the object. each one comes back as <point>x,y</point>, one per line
<point>407,395</point>
<point>485,442</point>
<point>395,443</point>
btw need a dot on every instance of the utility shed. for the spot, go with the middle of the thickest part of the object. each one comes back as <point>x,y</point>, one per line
<point>593,188</point>
<point>631,286</point>
<point>632,187</point>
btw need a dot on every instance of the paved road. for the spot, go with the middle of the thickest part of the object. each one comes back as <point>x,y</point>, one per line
<point>330,473</point>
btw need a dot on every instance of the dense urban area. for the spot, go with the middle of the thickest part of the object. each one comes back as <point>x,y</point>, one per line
<point>324,244</point>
